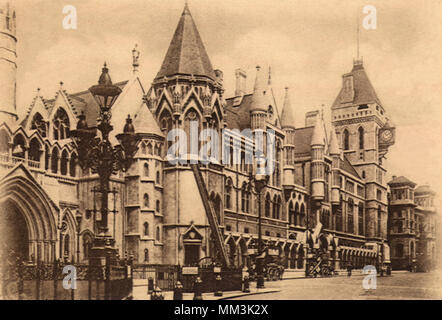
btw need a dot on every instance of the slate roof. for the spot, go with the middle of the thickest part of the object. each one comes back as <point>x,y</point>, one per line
<point>186,53</point>
<point>401,180</point>
<point>238,117</point>
<point>364,92</point>
<point>346,166</point>
<point>425,189</point>
<point>303,138</point>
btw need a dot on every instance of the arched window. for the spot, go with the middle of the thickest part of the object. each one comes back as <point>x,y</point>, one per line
<point>54,161</point>
<point>87,245</point>
<point>61,125</point>
<point>146,228</point>
<point>47,157</point>
<point>143,148</point>
<point>158,235</point>
<point>346,139</point>
<point>64,163</point>
<point>39,124</point>
<point>245,198</point>
<point>302,219</point>
<point>158,178</point>
<point>276,207</point>
<point>292,216</point>
<point>339,215</point>
<point>157,206</point>
<point>146,169</point>
<point>4,141</point>
<point>267,205</point>
<point>19,146</point>
<point>146,200</point>
<point>361,137</point>
<point>297,215</point>
<point>34,150</point>
<point>146,255</point>
<point>228,194</point>
<point>361,219</point>
<point>379,221</point>
<point>350,222</point>
<point>73,165</point>
<point>191,117</point>
<point>149,149</point>
<point>66,245</point>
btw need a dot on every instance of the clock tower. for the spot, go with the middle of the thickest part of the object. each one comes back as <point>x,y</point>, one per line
<point>365,133</point>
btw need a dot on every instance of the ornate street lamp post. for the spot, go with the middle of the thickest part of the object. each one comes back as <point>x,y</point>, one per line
<point>95,152</point>
<point>259,181</point>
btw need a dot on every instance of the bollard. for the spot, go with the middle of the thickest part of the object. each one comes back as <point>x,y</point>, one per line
<point>198,289</point>
<point>157,294</point>
<point>178,291</point>
<point>218,284</point>
<point>150,285</point>
<point>246,287</point>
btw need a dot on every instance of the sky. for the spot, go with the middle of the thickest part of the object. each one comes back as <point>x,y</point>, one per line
<point>308,44</point>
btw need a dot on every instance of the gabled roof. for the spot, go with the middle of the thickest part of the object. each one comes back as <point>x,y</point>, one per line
<point>186,53</point>
<point>401,180</point>
<point>144,122</point>
<point>364,92</point>
<point>346,166</point>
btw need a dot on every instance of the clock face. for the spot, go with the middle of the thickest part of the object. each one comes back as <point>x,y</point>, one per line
<point>387,135</point>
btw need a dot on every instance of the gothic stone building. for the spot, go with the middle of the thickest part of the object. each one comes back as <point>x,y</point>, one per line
<point>332,183</point>
<point>412,225</point>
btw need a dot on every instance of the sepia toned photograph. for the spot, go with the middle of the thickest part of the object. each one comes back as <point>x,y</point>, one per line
<point>220,150</point>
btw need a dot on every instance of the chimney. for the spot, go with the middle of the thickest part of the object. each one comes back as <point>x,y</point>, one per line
<point>310,118</point>
<point>241,78</point>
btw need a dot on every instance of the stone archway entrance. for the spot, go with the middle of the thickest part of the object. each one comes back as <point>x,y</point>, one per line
<point>28,223</point>
<point>14,232</point>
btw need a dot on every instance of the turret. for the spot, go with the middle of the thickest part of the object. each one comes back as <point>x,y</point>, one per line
<point>288,126</point>
<point>259,103</point>
<point>335,153</point>
<point>8,62</point>
<point>318,148</point>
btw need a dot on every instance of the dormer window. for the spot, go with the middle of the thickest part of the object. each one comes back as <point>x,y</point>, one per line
<point>270,111</point>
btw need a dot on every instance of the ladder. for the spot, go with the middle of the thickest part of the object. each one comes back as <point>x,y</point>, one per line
<point>211,215</point>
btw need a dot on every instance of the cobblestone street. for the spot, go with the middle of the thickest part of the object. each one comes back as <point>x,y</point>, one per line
<point>401,285</point>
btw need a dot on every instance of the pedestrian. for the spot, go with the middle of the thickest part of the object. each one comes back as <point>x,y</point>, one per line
<point>349,268</point>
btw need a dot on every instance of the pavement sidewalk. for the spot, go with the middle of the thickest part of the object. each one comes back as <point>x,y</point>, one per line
<point>140,293</point>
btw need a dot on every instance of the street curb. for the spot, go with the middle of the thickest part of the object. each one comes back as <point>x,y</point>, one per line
<point>250,294</point>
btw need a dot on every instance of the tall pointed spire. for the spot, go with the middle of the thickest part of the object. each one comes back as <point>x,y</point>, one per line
<point>318,137</point>
<point>186,54</point>
<point>259,101</point>
<point>287,116</point>
<point>334,145</point>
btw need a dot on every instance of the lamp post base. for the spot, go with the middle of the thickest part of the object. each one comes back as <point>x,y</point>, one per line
<point>103,248</point>
<point>260,282</point>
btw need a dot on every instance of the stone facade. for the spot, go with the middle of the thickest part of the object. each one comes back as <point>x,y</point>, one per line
<point>328,192</point>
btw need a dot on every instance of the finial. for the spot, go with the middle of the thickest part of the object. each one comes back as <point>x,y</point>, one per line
<point>135,57</point>
<point>105,64</point>
<point>270,76</point>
